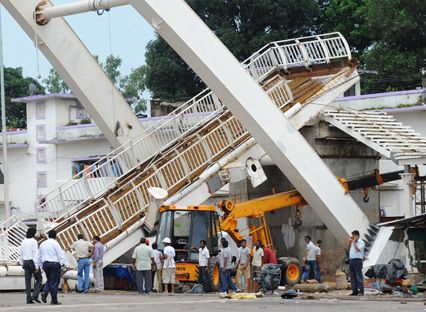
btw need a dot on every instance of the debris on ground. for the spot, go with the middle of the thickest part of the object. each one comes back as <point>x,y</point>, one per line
<point>241,296</point>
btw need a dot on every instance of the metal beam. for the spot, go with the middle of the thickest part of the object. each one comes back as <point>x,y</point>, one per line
<point>44,14</point>
<point>81,72</point>
<point>220,70</point>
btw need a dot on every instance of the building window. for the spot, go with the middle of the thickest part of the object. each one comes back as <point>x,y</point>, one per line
<point>41,154</point>
<point>41,179</point>
<point>40,110</point>
<point>41,133</point>
<point>92,168</point>
<point>81,112</point>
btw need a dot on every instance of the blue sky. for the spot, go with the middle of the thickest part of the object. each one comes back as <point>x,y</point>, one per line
<point>129,35</point>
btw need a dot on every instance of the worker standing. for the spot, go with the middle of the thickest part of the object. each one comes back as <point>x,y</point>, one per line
<point>310,260</point>
<point>269,256</point>
<point>169,266</point>
<point>243,267</point>
<point>52,258</point>
<point>82,253</point>
<point>225,268</point>
<point>158,273</point>
<point>257,259</point>
<point>98,263</point>
<point>318,244</point>
<point>203,266</point>
<point>143,262</point>
<point>28,259</point>
<point>356,256</point>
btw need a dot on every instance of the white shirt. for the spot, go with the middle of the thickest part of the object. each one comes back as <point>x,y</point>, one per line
<point>243,255</point>
<point>52,252</point>
<point>169,253</point>
<point>353,253</point>
<point>29,250</point>
<point>203,256</point>
<point>257,257</point>
<point>82,248</point>
<point>318,251</point>
<point>157,259</point>
<point>311,251</point>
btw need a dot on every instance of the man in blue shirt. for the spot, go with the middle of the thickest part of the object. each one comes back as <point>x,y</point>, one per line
<point>356,256</point>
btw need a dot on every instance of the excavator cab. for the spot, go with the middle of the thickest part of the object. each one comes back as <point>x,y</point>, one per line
<point>186,227</point>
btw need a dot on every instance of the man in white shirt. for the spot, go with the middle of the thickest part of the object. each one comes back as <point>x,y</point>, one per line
<point>203,266</point>
<point>28,259</point>
<point>356,257</point>
<point>244,255</point>
<point>158,278</point>
<point>51,257</point>
<point>82,253</point>
<point>311,254</point>
<point>257,259</point>
<point>225,268</point>
<point>143,262</point>
<point>169,266</point>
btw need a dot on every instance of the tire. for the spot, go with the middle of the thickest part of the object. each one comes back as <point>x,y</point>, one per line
<point>291,271</point>
<point>214,274</point>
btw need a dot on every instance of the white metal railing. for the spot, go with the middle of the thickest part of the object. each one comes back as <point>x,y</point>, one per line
<point>12,233</point>
<point>126,204</point>
<point>305,51</point>
<point>102,175</point>
<point>89,185</point>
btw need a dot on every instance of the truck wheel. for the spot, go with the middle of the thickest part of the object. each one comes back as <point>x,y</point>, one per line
<point>291,271</point>
<point>214,274</point>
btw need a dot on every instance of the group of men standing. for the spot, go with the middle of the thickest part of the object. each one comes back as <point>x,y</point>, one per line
<point>51,259</point>
<point>151,264</point>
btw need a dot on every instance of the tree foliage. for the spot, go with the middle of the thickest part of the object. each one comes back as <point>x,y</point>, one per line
<point>131,86</point>
<point>388,36</point>
<point>243,26</point>
<point>385,35</point>
<point>16,85</point>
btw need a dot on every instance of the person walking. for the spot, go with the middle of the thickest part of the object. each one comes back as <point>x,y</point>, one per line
<point>51,257</point>
<point>356,248</point>
<point>144,264</point>
<point>257,259</point>
<point>310,261</point>
<point>28,259</point>
<point>243,266</point>
<point>169,266</point>
<point>98,263</point>
<point>203,266</point>
<point>158,273</point>
<point>82,250</point>
<point>225,269</point>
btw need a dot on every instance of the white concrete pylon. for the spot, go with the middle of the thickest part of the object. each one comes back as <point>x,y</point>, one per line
<point>75,64</point>
<point>220,70</point>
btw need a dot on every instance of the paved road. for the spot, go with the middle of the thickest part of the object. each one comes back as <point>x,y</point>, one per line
<point>112,301</point>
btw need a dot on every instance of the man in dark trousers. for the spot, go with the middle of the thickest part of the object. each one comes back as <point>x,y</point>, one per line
<point>28,259</point>
<point>52,258</point>
<point>356,248</point>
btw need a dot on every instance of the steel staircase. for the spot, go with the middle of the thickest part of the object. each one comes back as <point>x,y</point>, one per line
<point>85,186</point>
<point>113,196</point>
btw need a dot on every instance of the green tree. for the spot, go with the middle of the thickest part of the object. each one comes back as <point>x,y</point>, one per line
<point>398,50</point>
<point>131,86</point>
<point>349,17</point>
<point>243,26</point>
<point>16,85</point>
<point>386,35</point>
<point>54,83</point>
